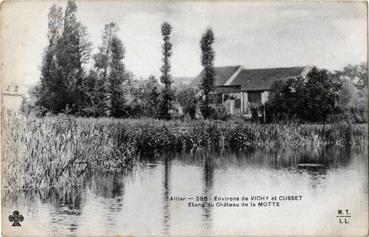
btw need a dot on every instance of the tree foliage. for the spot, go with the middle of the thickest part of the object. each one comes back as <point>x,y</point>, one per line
<point>353,103</point>
<point>286,99</point>
<point>146,98</point>
<point>107,90</point>
<point>118,79</point>
<point>167,96</point>
<point>313,99</point>
<point>62,74</point>
<point>109,76</point>
<point>320,94</point>
<point>187,99</point>
<point>65,86</point>
<point>358,74</point>
<point>207,61</point>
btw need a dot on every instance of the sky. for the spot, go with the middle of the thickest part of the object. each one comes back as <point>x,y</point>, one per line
<point>252,34</point>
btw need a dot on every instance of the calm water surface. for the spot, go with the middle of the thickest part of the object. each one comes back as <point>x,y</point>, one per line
<point>139,203</point>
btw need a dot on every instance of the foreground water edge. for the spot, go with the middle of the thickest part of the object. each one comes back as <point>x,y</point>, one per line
<point>115,203</point>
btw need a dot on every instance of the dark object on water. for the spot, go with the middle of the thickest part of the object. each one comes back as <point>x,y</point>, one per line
<point>310,165</point>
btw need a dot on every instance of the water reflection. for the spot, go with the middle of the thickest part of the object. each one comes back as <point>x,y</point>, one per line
<point>166,193</point>
<point>110,204</point>
<point>208,185</point>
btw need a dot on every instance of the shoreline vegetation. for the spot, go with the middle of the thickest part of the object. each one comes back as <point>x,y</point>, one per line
<point>57,150</point>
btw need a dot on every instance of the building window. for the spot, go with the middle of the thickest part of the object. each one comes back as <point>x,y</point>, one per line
<point>254,97</point>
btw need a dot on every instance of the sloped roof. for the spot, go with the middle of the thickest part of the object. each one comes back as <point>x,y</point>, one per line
<point>263,79</point>
<point>222,74</point>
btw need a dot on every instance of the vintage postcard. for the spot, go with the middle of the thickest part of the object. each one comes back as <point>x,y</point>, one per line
<point>184,118</point>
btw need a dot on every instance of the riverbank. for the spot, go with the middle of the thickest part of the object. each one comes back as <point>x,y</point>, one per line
<point>48,151</point>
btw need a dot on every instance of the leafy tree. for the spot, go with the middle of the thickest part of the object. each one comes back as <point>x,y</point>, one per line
<point>103,56</point>
<point>92,96</point>
<point>101,66</point>
<point>207,61</point>
<point>167,96</point>
<point>353,102</point>
<point>356,73</point>
<point>62,74</point>
<point>314,99</point>
<point>117,78</point>
<point>47,91</point>
<point>145,100</point>
<point>286,100</point>
<point>112,76</point>
<point>321,94</point>
<point>153,91</point>
<point>186,98</point>
<point>73,50</point>
<point>353,99</point>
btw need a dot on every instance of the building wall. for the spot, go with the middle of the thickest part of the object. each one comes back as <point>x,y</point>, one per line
<point>245,102</point>
<point>11,102</point>
<point>229,105</point>
<point>264,97</point>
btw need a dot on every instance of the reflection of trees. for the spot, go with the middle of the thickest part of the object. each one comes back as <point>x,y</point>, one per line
<point>289,157</point>
<point>16,198</point>
<point>208,177</point>
<point>166,184</point>
<point>110,188</point>
<point>66,203</point>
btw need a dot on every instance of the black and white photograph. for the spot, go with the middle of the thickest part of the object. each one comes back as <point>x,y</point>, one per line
<point>184,118</point>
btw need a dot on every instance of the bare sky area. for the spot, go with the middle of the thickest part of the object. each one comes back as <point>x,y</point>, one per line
<point>252,34</point>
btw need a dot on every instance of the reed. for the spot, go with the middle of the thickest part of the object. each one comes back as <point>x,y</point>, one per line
<point>52,151</point>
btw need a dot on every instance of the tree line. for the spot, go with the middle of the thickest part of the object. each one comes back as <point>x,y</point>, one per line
<point>322,96</point>
<point>107,89</point>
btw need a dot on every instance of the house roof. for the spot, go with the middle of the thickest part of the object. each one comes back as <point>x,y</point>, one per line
<point>263,79</point>
<point>222,74</point>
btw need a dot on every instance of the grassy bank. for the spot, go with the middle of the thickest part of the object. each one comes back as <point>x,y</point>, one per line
<point>49,151</point>
<point>151,135</point>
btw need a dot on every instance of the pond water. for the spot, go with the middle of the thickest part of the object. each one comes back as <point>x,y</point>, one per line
<point>139,203</point>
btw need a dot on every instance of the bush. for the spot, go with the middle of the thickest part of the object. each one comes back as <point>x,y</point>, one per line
<point>220,114</point>
<point>187,99</point>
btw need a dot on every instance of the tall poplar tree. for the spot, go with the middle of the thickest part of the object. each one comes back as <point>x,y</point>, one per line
<point>117,79</point>
<point>62,76</point>
<point>112,76</point>
<point>207,61</point>
<point>167,95</point>
<point>47,91</point>
<point>102,94</point>
<point>73,51</point>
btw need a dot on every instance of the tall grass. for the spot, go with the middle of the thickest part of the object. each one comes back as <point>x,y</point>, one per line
<point>149,135</point>
<point>50,151</point>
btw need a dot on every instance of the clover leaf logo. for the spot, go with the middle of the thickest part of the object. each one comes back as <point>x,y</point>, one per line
<point>16,218</point>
